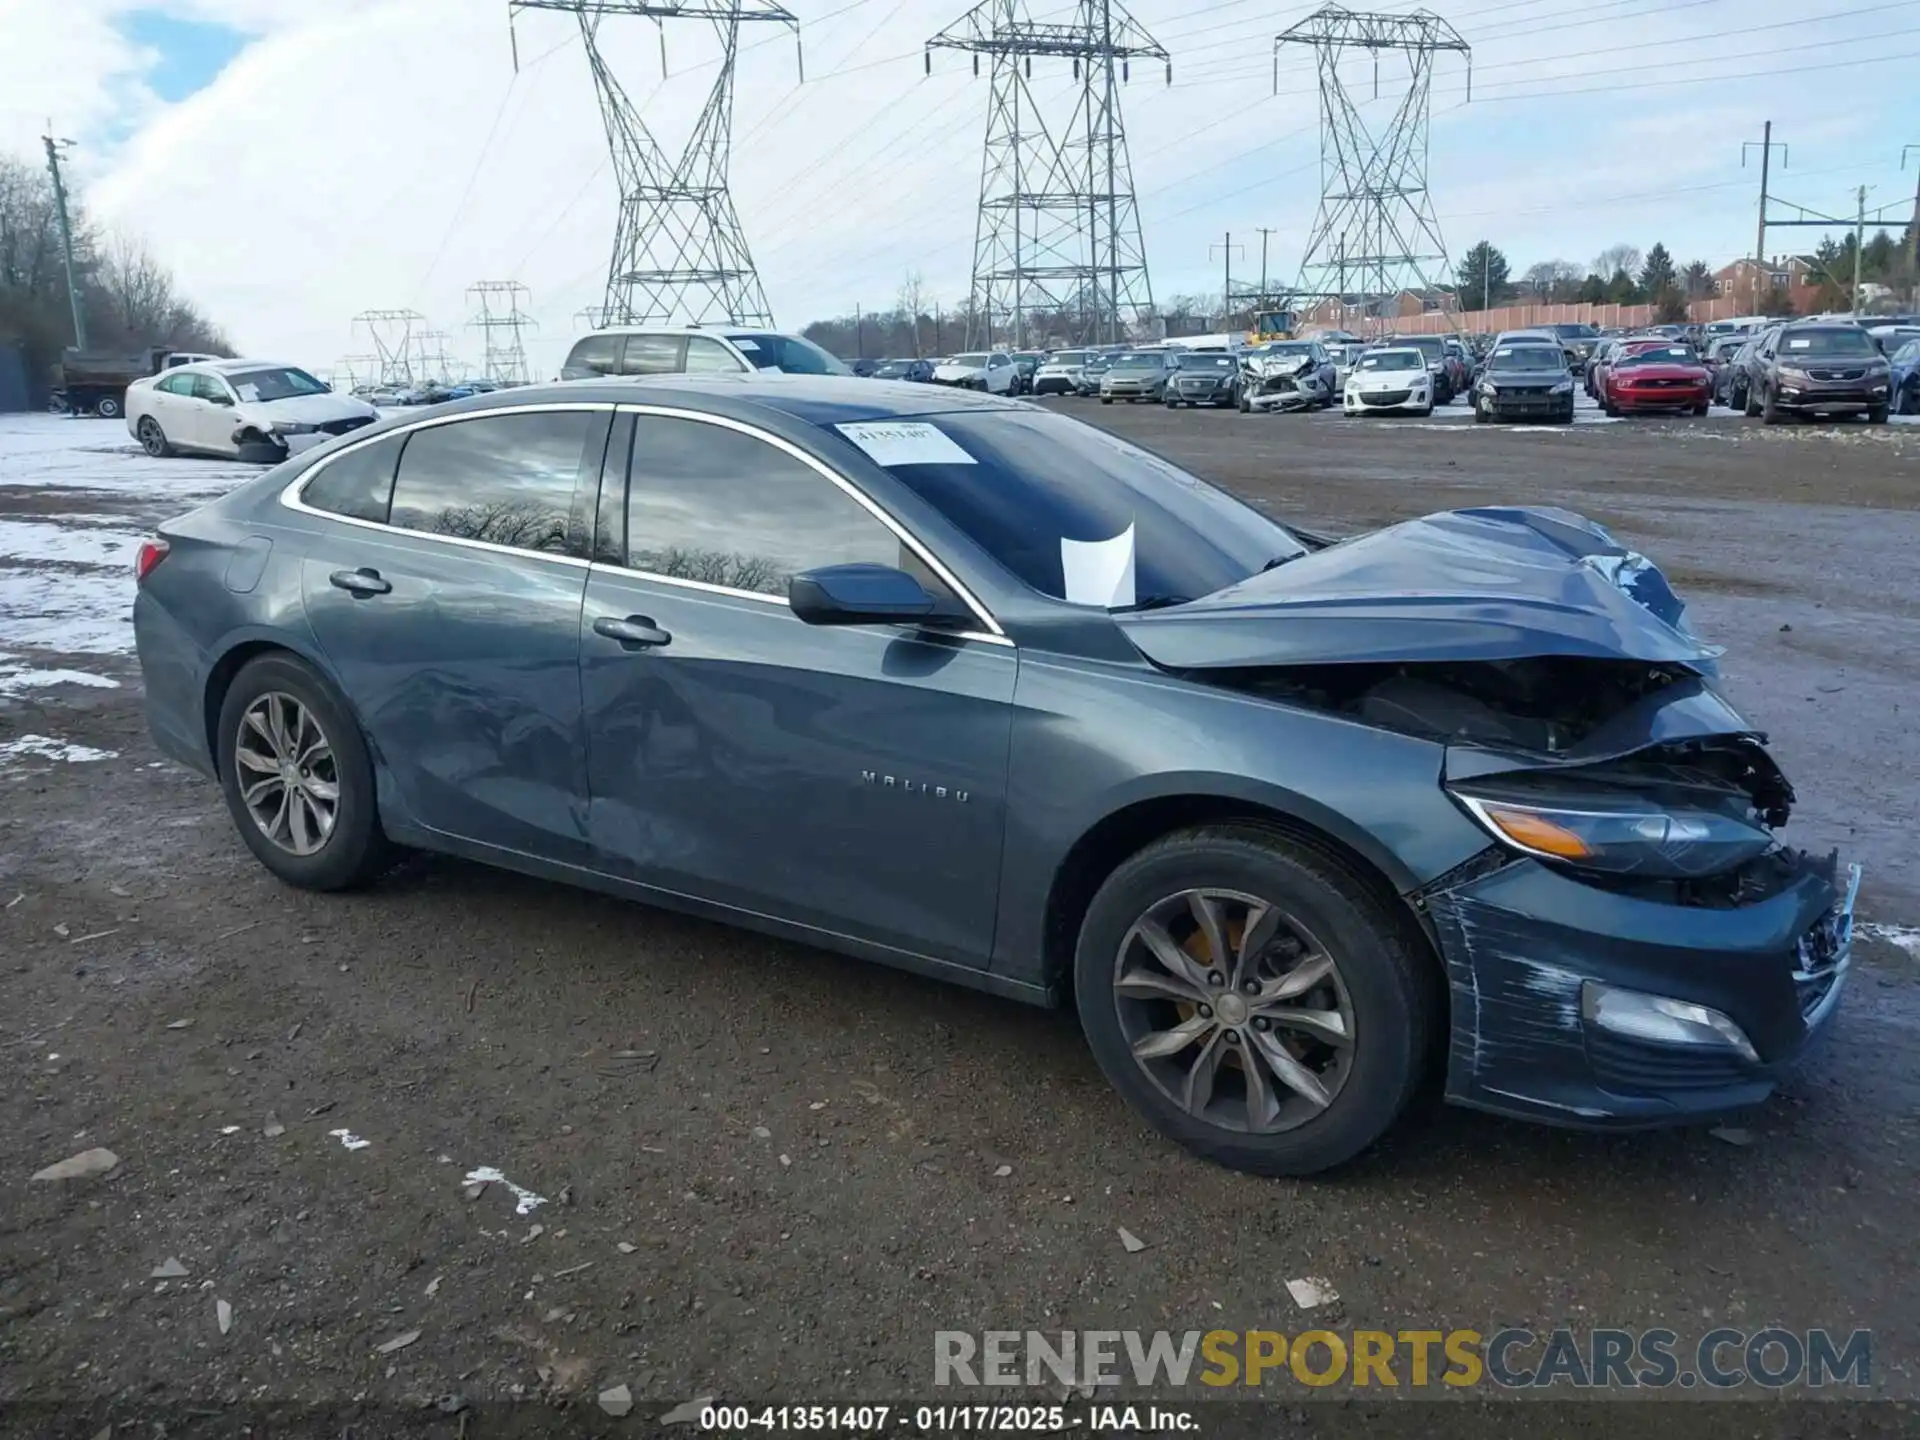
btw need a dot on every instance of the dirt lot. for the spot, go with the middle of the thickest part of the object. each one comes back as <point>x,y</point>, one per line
<point>770,1174</point>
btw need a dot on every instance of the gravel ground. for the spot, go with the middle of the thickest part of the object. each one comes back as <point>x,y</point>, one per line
<point>769,1174</point>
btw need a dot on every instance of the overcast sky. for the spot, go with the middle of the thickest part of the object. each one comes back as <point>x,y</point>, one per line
<point>297,163</point>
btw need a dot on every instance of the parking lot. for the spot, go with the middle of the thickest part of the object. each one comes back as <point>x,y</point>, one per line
<point>765,1173</point>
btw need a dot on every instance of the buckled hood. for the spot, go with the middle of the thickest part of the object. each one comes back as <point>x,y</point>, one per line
<point>1480,584</point>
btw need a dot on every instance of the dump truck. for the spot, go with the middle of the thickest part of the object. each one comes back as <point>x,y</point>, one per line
<point>89,382</point>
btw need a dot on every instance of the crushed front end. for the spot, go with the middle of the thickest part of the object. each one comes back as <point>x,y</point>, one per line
<point>1630,942</point>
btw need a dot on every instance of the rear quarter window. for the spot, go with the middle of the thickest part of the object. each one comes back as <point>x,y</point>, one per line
<point>357,483</point>
<point>595,355</point>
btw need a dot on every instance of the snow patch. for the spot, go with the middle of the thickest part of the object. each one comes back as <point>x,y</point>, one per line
<point>17,679</point>
<point>31,540</point>
<point>1907,937</point>
<point>525,1201</point>
<point>88,613</point>
<point>45,747</point>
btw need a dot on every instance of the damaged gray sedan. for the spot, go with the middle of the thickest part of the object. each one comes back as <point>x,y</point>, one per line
<point>951,683</point>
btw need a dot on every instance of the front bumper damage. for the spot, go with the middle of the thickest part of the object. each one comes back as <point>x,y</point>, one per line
<point>1528,950</point>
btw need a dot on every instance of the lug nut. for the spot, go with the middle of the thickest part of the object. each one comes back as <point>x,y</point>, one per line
<point>1214,977</point>
<point>1260,1022</point>
<point>1206,1012</point>
<point>1252,987</point>
<point>1233,1037</point>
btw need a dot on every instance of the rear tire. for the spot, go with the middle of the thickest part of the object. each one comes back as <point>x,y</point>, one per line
<point>107,407</point>
<point>1748,405</point>
<point>1378,981</point>
<point>1770,413</point>
<point>1877,415</point>
<point>354,850</point>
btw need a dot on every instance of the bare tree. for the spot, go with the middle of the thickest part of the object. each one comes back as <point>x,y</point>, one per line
<point>1616,259</point>
<point>913,299</point>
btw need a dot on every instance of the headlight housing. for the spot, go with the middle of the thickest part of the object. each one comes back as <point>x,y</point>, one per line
<point>1619,831</point>
<point>293,427</point>
<point>1565,387</point>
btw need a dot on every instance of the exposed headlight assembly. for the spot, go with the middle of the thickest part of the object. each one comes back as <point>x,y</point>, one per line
<point>1565,387</point>
<point>293,427</point>
<point>1616,831</point>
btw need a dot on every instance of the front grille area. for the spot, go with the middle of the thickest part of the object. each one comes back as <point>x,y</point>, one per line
<point>1837,374</point>
<point>1821,959</point>
<point>1386,397</point>
<point>342,427</point>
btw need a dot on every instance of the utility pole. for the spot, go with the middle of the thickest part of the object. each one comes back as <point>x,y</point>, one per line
<point>1226,248</point>
<point>1913,228</point>
<point>54,147</point>
<point>1859,242</point>
<point>1766,147</point>
<point>1264,231</point>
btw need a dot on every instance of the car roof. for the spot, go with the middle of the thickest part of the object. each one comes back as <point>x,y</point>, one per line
<point>819,400</point>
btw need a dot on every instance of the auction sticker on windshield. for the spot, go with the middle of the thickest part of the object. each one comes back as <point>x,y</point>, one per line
<point>905,442</point>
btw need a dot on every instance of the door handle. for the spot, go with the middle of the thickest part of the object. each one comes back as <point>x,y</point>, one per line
<point>360,582</point>
<point>634,630</point>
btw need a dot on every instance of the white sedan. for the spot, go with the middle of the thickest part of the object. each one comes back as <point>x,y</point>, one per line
<point>247,409</point>
<point>990,372</point>
<point>1387,380</point>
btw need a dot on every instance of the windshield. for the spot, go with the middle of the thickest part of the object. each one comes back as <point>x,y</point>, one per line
<point>1207,362</point>
<point>1026,357</point>
<point>1393,360</point>
<point>789,353</point>
<point>1428,346</point>
<point>1908,353</point>
<point>1037,479</point>
<point>1849,341</point>
<point>280,383</point>
<point>972,362</point>
<point>1528,357</point>
<point>1069,357</point>
<point>895,367</point>
<point>1659,355</point>
<point>1139,362</point>
<point>1574,332</point>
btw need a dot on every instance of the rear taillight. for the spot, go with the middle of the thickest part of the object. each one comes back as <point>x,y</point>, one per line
<point>152,552</point>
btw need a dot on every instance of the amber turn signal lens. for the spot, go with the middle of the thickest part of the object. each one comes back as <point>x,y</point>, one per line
<point>1536,833</point>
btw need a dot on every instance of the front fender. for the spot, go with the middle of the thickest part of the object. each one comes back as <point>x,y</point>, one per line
<point>1093,738</point>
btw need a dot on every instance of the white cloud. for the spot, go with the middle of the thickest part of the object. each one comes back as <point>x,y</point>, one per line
<point>327,169</point>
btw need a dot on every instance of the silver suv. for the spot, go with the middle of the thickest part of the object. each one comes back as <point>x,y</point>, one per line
<point>693,350</point>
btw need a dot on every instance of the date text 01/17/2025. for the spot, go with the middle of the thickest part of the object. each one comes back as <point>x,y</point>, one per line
<point>943,1419</point>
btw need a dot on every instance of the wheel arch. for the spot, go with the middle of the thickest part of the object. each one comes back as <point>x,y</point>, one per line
<point>233,659</point>
<point>1123,832</point>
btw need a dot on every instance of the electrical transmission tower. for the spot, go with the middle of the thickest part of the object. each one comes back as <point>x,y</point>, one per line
<point>430,356</point>
<point>1059,229</point>
<point>359,370</point>
<point>504,358</point>
<point>678,251</point>
<point>392,335</point>
<point>1375,233</point>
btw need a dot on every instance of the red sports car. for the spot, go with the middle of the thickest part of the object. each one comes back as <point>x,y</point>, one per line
<point>1654,377</point>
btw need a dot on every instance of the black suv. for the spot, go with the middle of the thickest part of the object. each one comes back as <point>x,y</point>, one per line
<point>1818,367</point>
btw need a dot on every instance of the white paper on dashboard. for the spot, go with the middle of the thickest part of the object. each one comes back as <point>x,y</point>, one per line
<point>905,442</point>
<point>1099,572</point>
<point>249,393</point>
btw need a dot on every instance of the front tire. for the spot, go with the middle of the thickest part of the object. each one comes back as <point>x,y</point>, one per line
<point>152,438</point>
<point>1770,413</point>
<point>1254,1000</point>
<point>1877,415</point>
<point>298,779</point>
<point>107,407</point>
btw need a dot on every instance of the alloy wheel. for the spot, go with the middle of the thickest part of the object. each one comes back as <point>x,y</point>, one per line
<point>1234,1011</point>
<point>288,778</point>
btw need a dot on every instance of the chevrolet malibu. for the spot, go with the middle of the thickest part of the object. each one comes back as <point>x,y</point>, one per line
<point>956,684</point>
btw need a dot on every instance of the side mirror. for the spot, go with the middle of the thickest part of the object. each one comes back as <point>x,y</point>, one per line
<point>860,595</point>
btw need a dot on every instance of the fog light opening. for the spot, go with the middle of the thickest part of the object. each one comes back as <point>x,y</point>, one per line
<point>1661,1020</point>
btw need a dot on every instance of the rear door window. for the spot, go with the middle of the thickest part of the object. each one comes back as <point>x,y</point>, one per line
<point>502,479</point>
<point>653,355</point>
<point>707,356</point>
<point>595,355</point>
<point>357,484</point>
